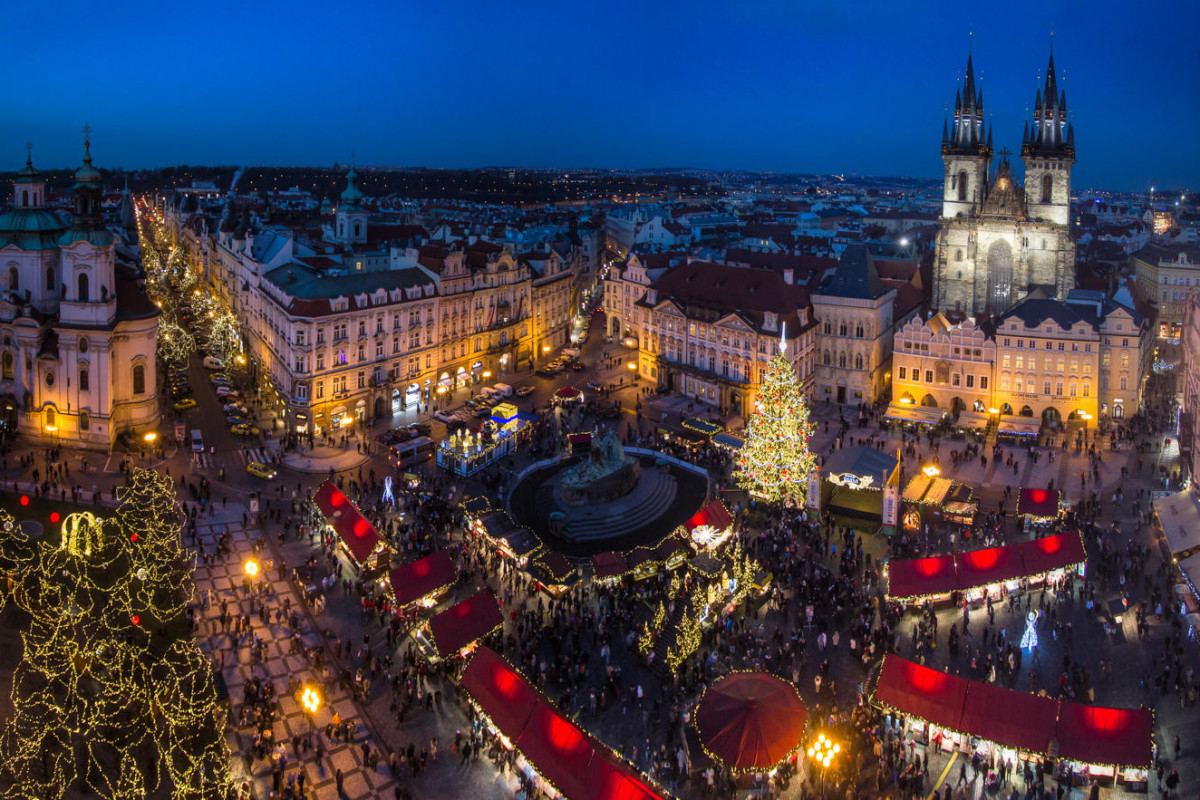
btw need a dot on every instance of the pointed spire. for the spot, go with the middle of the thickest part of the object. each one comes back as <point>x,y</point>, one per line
<point>957,100</point>
<point>87,144</point>
<point>979,100</point>
<point>1037,104</point>
<point>1051,82</point>
<point>969,81</point>
<point>1062,102</point>
<point>1025,135</point>
<point>989,137</point>
<point>29,155</point>
<point>945,130</point>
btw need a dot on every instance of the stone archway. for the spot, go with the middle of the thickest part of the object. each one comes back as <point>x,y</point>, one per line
<point>1026,411</point>
<point>957,405</point>
<point>929,401</point>
<point>999,276</point>
<point>1050,416</point>
<point>614,326</point>
<point>1006,409</point>
<point>380,407</point>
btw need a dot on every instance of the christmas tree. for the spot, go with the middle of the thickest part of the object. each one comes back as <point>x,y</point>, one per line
<point>775,462</point>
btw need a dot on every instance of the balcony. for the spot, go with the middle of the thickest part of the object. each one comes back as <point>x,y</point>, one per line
<point>700,372</point>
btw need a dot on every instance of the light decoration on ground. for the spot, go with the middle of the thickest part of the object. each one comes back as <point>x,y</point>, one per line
<point>775,462</point>
<point>388,497</point>
<point>106,696</point>
<point>1029,639</point>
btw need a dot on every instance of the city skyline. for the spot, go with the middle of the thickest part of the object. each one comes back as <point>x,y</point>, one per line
<point>764,87</point>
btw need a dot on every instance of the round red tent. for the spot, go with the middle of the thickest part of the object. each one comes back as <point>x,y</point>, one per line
<point>751,720</point>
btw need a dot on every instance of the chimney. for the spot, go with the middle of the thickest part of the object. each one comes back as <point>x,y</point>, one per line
<point>789,276</point>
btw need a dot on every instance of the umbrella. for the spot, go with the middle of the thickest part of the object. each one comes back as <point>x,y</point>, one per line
<point>751,720</point>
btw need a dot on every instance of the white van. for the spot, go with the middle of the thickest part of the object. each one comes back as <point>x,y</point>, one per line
<point>503,389</point>
<point>570,352</point>
<point>213,363</point>
<point>197,441</point>
<point>489,392</point>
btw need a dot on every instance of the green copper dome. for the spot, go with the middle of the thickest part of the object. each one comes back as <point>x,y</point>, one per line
<point>31,220</point>
<point>352,195</point>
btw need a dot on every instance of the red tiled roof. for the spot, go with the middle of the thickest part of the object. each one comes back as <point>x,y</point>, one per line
<point>725,289</point>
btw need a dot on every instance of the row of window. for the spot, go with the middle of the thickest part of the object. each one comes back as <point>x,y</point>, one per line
<point>1030,387</point>
<point>1062,346</point>
<point>955,379</point>
<point>340,383</point>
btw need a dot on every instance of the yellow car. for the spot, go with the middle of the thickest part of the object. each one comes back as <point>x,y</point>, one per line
<point>242,429</point>
<point>261,470</point>
<point>185,404</point>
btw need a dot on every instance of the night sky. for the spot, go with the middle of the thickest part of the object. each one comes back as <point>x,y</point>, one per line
<point>801,86</point>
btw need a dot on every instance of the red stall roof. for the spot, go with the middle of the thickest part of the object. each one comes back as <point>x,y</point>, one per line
<point>359,535</point>
<point>501,691</point>
<point>991,565</point>
<point>921,576</point>
<point>713,514</point>
<point>1014,719</point>
<point>610,779</point>
<point>423,577</point>
<point>461,624</point>
<point>1053,552</point>
<point>1094,735</point>
<point>927,693</point>
<point>1038,503</point>
<point>607,565</point>
<point>560,750</point>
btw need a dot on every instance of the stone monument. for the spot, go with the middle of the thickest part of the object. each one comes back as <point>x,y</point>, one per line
<point>606,474</point>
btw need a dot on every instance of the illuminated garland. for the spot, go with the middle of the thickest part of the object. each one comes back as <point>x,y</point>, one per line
<point>775,462</point>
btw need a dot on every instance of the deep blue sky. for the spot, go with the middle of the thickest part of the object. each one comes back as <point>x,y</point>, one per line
<point>790,85</point>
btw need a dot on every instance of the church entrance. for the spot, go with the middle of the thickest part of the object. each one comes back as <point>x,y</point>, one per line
<point>841,394</point>
<point>999,270</point>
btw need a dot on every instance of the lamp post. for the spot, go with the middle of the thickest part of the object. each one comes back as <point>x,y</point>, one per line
<point>250,568</point>
<point>1083,415</point>
<point>822,753</point>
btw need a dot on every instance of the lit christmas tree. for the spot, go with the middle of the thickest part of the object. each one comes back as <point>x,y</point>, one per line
<point>775,462</point>
<point>1029,639</point>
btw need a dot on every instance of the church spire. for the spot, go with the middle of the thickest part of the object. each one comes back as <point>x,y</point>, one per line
<point>1049,134</point>
<point>967,134</point>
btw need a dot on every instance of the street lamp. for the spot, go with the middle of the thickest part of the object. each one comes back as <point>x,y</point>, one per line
<point>250,568</point>
<point>932,471</point>
<point>1083,415</point>
<point>310,699</point>
<point>149,438</point>
<point>823,752</point>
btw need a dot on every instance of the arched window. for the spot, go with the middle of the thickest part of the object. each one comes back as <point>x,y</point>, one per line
<point>358,229</point>
<point>139,379</point>
<point>49,279</point>
<point>6,363</point>
<point>843,329</point>
<point>962,186</point>
<point>24,197</point>
<point>85,420</point>
<point>827,359</point>
<point>83,287</point>
<point>50,417</point>
<point>341,229</point>
<point>828,326</point>
<point>1047,185</point>
<point>13,279</point>
<point>84,383</point>
<point>858,362</point>
<point>859,331</point>
<point>842,360</point>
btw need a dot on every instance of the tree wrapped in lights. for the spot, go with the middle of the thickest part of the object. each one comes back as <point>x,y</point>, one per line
<point>775,463</point>
<point>223,341</point>
<point>175,345</point>
<point>104,695</point>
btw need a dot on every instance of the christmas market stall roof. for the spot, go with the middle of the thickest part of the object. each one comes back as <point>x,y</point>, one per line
<point>714,514</point>
<point>866,464</point>
<point>751,720</point>
<point>474,506</point>
<point>1040,503</point>
<point>1015,719</point>
<point>1095,735</point>
<point>988,566</point>
<point>418,579</point>
<point>1179,516</point>
<point>351,526</point>
<point>578,766</point>
<point>463,623</point>
<point>608,565</point>
<point>909,412</point>
<point>729,440</point>
<point>1049,553</point>
<point>918,577</point>
<point>933,696</point>
<point>703,427</point>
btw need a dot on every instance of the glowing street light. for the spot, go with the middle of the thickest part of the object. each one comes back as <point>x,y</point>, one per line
<point>993,411</point>
<point>822,752</point>
<point>310,699</point>
<point>149,438</point>
<point>250,568</point>
<point>931,471</point>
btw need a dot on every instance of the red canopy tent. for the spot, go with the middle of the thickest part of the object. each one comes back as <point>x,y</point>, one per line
<point>714,514</point>
<point>357,534</point>
<point>1053,552</point>
<point>988,566</point>
<point>1038,503</point>
<point>610,779</point>
<point>559,749</point>
<point>1120,736</point>
<point>418,579</point>
<point>1014,719</point>
<point>917,577</point>
<point>920,691</point>
<point>751,720</point>
<point>461,624</point>
<point>503,694</point>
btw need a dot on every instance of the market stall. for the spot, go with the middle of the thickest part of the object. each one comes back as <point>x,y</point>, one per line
<point>709,527</point>
<point>972,421</point>
<point>853,479</point>
<point>703,427</point>
<point>566,761</point>
<point>507,537</point>
<point>459,627</point>
<point>1039,507</point>
<point>465,452</point>
<point>608,567</point>
<point>567,396</point>
<point>993,571</point>
<point>1106,743</point>
<point>921,578</point>
<point>912,414</point>
<point>555,574</point>
<point>1049,555</point>
<point>1017,428</point>
<point>672,552</point>
<point>423,580</point>
<point>1178,518</point>
<point>357,536</point>
<point>728,441</point>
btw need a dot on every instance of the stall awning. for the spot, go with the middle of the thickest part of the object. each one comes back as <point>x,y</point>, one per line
<point>972,419</point>
<point>555,566</point>
<point>359,535</point>
<point>474,506</point>
<point>418,579</point>
<point>461,624</point>
<point>729,440</point>
<point>1189,568</point>
<point>906,412</point>
<point>918,577</point>
<point>607,565</point>
<point>1040,503</point>
<point>917,487</point>
<point>503,694</point>
<point>1179,516</point>
<point>1049,553</point>
<point>714,514</point>
<point>988,566</point>
<point>1093,735</point>
<point>1018,426</point>
<point>920,691</point>
<point>1014,719</point>
<point>703,427</point>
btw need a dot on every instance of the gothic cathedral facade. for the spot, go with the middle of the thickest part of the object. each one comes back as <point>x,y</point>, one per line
<point>998,240</point>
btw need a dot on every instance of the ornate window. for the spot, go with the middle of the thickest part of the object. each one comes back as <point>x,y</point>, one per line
<point>1047,185</point>
<point>83,380</point>
<point>858,361</point>
<point>83,287</point>
<point>139,379</point>
<point>962,186</point>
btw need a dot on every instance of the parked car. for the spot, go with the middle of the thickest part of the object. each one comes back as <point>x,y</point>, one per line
<point>576,366</point>
<point>236,419</point>
<point>595,387</point>
<point>234,408</point>
<point>544,373</point>
<point>421,428</point>
<point>185,404</point>
<point>483,412</point>
<point>179,392</point>
<point>243,429</point>
<point>524,391</point>
<point>443,416</point>
<point>261,470</point>
<point>227,391</point>
<point>213,363</point>
<point>222,382</point>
